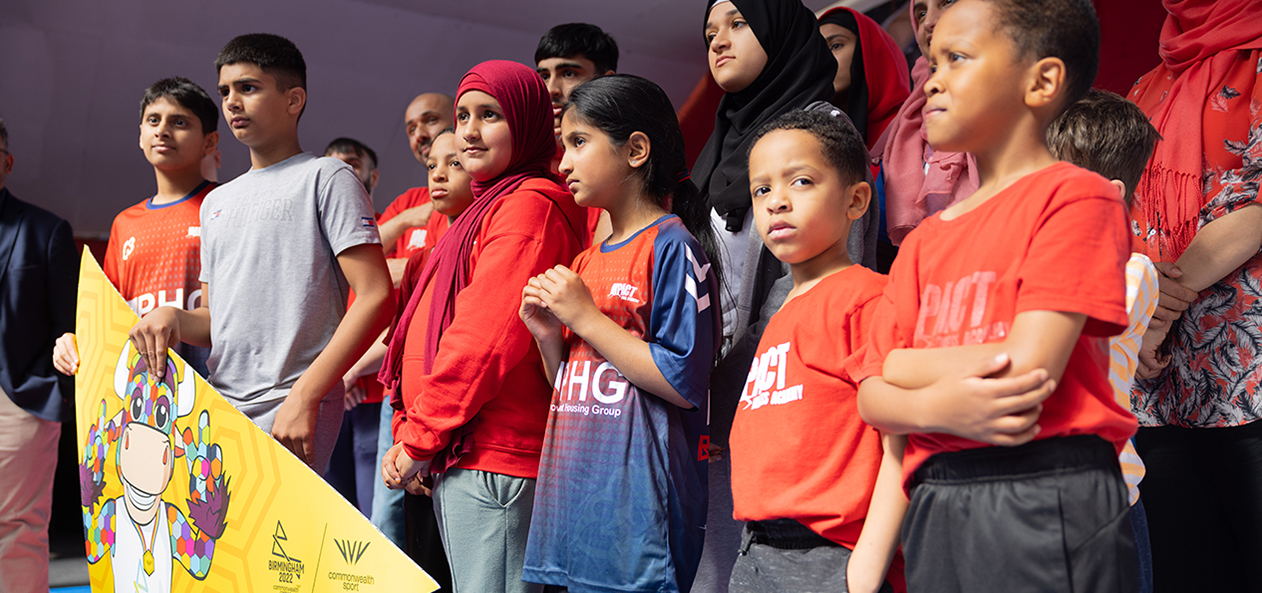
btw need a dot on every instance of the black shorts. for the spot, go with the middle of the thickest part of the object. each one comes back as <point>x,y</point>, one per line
<point>1048,516</point>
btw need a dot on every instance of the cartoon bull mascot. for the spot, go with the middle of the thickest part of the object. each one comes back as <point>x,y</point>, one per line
<point>142,533</point>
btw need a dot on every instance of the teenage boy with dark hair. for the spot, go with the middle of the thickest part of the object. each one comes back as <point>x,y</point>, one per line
<point>281,245</point>
<point>1111,136</point>
<point>363,160</point>
<point>153,256</point>
<point>992,328</point>
<point>569,55</point>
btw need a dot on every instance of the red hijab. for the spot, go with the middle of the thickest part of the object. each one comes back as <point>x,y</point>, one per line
<point>1199,48</point>
<point>878,81</point>
<point>919,181</point>
<point>528,112</point>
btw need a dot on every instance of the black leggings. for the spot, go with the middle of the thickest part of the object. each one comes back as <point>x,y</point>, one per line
<point>1203,494</point>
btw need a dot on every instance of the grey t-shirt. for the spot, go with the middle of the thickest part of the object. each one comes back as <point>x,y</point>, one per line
<point>270,240</point>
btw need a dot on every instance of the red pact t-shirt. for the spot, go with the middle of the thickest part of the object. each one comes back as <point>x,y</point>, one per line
<point>1056,240</point>
<point>798,446</point>
<point>413,239</point>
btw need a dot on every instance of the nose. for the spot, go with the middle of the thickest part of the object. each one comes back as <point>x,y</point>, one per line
<point>438,174</point>
<point>554,87</point>
<point>778,201</point>
<point>720,41</point>
<point>565,167</point>
<point>230,102</point>
<point>933,86</point>
<point>931,18</point>
<point>469,130</point>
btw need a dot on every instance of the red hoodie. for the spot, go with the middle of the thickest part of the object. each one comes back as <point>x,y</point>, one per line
<point>488,369</point>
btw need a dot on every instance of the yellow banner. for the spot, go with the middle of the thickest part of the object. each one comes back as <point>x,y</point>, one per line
<point>181,492</point>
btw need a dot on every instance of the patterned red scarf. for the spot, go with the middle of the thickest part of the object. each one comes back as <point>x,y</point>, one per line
<point>1198,43</point>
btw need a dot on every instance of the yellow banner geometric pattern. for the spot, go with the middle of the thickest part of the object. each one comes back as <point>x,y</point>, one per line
<point>181,492</point>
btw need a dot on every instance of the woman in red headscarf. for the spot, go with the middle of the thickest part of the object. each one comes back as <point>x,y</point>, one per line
<point>871,82</point>
<point>467,371</point>
<point>1196,212</point>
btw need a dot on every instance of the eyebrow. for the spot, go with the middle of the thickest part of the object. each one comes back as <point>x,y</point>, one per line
<point>798,169</point>
<point>242,80</point>
<point>176,114</point>
<point>729,14</point>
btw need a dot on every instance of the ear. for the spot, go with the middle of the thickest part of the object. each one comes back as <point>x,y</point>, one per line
<point>1047,82</point>
<point>8,162</point>
<point>860,196</point>
<point>1121,187</point>
<point>638,149</point>
<point>376,174</point>
<point>297,100</point>
<point>209,143</point>
<point>608,72</point>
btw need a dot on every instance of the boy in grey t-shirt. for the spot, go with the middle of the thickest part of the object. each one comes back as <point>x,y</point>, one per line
<point>281,246</point>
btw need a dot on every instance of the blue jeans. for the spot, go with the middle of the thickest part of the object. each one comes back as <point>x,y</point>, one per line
<point>387,504</point>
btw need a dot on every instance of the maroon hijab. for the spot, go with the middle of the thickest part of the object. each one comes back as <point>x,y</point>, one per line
<point>528,110</point>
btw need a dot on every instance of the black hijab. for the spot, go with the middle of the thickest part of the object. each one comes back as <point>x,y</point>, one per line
<point>799,71</point>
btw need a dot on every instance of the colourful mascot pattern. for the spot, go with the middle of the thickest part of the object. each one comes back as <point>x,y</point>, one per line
<point>140,530</point>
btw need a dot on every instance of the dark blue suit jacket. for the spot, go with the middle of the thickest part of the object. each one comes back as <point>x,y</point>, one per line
<point>38,289</point>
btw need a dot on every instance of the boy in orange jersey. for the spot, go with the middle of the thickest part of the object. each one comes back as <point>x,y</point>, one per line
<point>990,346</point>
<point>154,253</point>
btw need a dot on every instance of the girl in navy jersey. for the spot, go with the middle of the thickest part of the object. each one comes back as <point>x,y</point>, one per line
<point>628,335</point>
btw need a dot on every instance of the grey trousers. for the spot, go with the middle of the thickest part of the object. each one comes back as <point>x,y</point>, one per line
<point>328,424</point>
<point>484,519</point>
<point>760,567</point>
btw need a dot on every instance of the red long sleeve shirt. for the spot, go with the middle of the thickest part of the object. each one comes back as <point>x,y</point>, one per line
<point>487,363</point>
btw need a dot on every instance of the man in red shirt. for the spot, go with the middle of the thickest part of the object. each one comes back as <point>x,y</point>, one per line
<point>402,224</point>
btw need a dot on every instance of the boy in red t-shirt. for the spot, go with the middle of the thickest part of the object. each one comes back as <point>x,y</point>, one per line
<point>993,329</point>
<point>821,513</point>
<point>154,253</point>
